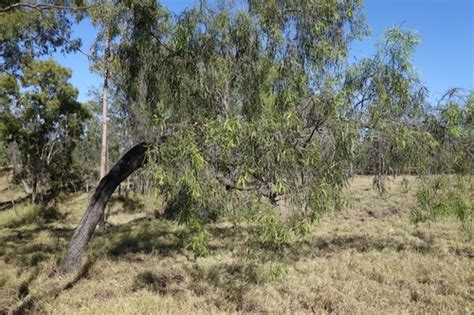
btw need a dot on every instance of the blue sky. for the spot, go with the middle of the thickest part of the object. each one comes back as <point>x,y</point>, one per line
<point>444,58</point>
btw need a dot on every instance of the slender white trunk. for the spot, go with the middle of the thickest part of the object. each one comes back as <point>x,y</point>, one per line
<point>15,159</point>
<point>105,92</point>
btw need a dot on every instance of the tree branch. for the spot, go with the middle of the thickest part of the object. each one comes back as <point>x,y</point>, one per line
<point>65,39</point>
<point>41,7</point>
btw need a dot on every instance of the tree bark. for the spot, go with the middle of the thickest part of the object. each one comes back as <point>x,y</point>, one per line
<point>15,159</point>
<point>105,93</point>
<point>132,160</point>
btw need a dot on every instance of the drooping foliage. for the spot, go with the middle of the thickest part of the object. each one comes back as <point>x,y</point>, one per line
<point>451,123</point>
<point>444,195</point>
<point>250,98</point>
<point>388,102</point>
<point>260,107</point>
<point>448,190</point>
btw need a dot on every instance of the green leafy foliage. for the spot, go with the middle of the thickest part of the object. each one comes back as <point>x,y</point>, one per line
<point>197,239</point>
<point>451,124</point>
<point>258,106</point>
<point>40,113</point>
<point>252,107</point>
<point>442,196</point>
<point>27,33</point>
<point>235,91</point>
<point>388,105</point>
<point>272,230</point>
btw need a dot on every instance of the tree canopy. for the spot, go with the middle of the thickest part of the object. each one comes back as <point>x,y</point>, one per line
<point>40,113</point>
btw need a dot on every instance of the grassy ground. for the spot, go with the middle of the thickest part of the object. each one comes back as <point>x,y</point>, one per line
<point>366,259</point>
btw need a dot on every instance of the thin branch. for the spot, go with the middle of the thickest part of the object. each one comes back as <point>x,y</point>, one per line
<point>172,53</point>
<point>41,7</point>
<point>231,185</point>
<point>65,39</point>
<point>308,140</point>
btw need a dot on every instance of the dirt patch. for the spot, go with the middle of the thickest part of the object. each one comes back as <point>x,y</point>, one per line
<point>162,284</point>
<point>381,213</point>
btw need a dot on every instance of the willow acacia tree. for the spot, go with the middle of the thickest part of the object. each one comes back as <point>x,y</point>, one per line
<point>451,122</point>
<point>451,191</point>
<point>250,99</point>
<point>244,106</point>
<point>389,105</point>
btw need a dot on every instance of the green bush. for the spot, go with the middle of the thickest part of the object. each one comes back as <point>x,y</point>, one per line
<point>443,196</point>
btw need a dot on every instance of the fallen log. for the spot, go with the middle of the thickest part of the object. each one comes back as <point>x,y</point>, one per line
<point>5,205</point>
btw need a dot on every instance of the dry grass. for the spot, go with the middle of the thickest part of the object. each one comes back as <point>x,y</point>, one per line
<point>367,259</point>
<point>9,191</point>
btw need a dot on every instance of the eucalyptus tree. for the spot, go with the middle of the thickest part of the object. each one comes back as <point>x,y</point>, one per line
<point>29,30</point>
<point>40,113</point>
<point>104,18</point>
<point>32,29</point>
<point>88,150</point>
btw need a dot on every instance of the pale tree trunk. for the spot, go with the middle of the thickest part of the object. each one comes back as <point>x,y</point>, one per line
<point>15,159</point>
<point>132,160</point>
<point>34,189</point>
<point>26,188</point>
<point>105,93</point>
<point>17,167</point>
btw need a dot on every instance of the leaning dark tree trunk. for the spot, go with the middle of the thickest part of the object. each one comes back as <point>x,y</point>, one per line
<point>132,160</point>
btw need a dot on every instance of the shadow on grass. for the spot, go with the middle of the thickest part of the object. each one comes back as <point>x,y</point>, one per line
<point>230,281</point>
<point>5,205</point>
<point>225,284</point>
<point>23,247</point>
<point>332,245</point>
<point>316,246</point>
<point>40,215</point>
<point>164,238</point>
<point>154,236</point>
<point>125,204</point>
<point>162,284</point>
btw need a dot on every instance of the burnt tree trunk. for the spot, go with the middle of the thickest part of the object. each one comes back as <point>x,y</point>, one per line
<point>132,160</point>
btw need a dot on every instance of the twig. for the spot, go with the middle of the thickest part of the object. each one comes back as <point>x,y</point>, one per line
<point>41,7</point>
<point>65,39</point>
